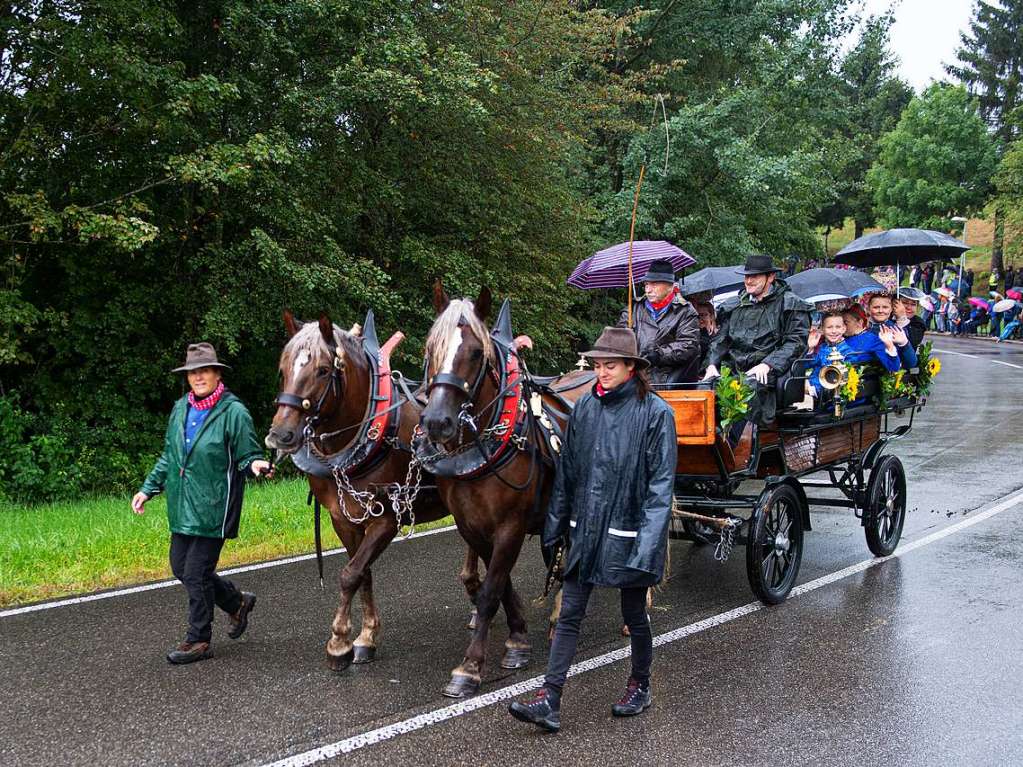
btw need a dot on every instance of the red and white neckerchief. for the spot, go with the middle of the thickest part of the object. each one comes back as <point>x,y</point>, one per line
<point>208,401</point>
<point>601,391</point>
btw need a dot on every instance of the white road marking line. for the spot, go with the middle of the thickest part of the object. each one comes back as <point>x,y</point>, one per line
<point>958,354</point>
<point>1007,364</point>
<point>390,731</point>
<point>167,584</point>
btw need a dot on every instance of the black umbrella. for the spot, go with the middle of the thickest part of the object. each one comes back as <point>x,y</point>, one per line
<point>900,246</point>
<point>713,279</point>
<point>828,284</point>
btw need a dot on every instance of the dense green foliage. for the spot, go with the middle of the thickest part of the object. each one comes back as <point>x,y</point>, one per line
<point>990,65</point>
<point>171,172</point>
<point>936,163</point>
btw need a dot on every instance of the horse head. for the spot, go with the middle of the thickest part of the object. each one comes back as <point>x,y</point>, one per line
<point>459,352</point>
<point>323,381</point>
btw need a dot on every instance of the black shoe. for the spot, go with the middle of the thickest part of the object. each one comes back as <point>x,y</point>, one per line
<point>240,620</point>
<point>634,701</point>
<point>190,652</point>
<point>544,710</point>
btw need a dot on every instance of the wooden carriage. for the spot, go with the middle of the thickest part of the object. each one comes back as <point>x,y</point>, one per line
<point>780,461</point>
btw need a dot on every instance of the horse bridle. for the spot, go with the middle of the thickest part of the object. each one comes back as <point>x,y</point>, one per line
<point>333,385</point>
<point>459,383</point>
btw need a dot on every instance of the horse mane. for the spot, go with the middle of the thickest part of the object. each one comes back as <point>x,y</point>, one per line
<point>310,339</point>
<point>439,338</point>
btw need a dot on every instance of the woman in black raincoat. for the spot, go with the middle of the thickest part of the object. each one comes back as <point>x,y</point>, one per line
<point>612,498</point>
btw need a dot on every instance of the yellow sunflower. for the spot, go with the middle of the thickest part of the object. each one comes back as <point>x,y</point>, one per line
<point>852,386</point>
<point>934,366</point>
<point>734,385</point>
<point>898,380</point>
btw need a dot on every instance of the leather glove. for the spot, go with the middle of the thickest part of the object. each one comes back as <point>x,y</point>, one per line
<point>653,356</point>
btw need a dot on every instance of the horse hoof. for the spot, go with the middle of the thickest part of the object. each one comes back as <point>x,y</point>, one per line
<point>473,619</point>
<point>364,654</point>
<point>515,657</point>
<point>338,663</point>
<point>462,686</point>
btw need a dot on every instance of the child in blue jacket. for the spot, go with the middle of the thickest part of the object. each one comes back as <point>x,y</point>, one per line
<point>848,334</point>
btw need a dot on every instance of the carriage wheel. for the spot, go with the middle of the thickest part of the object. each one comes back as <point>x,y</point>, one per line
<point>886,506</point>
<point>775,546</point>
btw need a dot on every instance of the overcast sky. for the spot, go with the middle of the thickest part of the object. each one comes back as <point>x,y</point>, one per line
<point>925,35</point>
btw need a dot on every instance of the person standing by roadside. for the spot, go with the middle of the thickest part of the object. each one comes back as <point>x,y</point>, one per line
<point>209,448</point>
<point>928,278</point>
<point>612,496</point>
<point>1010,278</point>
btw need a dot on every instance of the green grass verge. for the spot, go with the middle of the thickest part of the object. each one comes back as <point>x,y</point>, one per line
<point>72,547</point>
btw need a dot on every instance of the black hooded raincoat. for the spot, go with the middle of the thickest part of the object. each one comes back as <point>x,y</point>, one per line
<point>613,489</point>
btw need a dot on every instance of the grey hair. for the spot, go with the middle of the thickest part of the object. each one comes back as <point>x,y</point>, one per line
<point>438,340</point>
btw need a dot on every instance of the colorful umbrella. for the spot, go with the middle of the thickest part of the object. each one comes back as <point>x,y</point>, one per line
<point>609,268</point>
<point>1004,305</point>
<point>1017,294</point>
<point>980,303</point>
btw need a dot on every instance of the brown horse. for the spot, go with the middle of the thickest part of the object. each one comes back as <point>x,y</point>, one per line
<point>330,422</point>
<point>494,480</point>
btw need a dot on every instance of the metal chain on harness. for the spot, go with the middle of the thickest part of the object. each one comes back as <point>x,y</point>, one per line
<point>727,541</point>
<point>401,496</point>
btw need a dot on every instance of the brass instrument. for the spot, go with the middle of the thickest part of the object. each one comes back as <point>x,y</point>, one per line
<point>835,373</point>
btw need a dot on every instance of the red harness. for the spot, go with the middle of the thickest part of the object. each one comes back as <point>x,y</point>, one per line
<point>510,415</point>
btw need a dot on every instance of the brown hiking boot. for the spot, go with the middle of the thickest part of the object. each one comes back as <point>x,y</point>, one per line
<point>190,652</point>
<point>240,620</point>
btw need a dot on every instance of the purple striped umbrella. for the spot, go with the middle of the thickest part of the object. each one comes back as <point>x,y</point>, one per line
<point>609,268</point>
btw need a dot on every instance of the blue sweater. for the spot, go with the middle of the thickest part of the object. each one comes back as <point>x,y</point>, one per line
<point>907,354</point>
<point>865,347</point>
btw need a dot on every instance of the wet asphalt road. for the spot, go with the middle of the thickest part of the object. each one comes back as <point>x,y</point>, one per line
<point>914,661</point>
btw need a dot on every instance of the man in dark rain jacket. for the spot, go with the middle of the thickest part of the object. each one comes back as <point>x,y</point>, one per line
<point>761,332</point>
<point>612,497</point>
<point>667,328</point>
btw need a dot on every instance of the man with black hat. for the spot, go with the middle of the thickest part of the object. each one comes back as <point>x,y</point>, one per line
<point>209,448</point>
<point>666,326</point>
<point>761,332</point>
<point>612,498</point>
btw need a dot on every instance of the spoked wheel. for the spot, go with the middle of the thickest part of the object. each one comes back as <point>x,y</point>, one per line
<point>775,546</point>
<point>886,506</point>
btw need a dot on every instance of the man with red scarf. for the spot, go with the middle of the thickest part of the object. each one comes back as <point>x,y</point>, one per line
<point>667,328</point>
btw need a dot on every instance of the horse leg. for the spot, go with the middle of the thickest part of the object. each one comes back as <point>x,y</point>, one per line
<point>377,537</point>
<point>466,678</point>
<point>470,577</point>
<point>517,648</point>
<point>339,647</point>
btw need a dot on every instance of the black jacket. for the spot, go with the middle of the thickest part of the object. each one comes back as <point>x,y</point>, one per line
<point>672,340</point>
<point>915,331</point>
<point>773,330</point>
<point>612,492</point>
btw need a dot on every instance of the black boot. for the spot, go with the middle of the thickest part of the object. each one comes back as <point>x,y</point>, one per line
<point>240,620</point>
<point>635,700</point>
<point>544,710</point>
<point>190,652</point>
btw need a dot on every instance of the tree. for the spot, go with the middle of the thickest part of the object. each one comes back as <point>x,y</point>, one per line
<point>171,172</point>
<point>991,66</point>
<point>871,101</point>
<point>937,163</point>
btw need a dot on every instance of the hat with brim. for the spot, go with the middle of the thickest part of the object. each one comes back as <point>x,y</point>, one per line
<point>616,343</point>
<point>660,270</point>
<point>758,264</point>
<point>201,355</point>
<point>911,294</point>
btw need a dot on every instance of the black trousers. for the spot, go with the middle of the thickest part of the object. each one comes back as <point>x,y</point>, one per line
<point>193,560</point>
<point>574,598</point>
